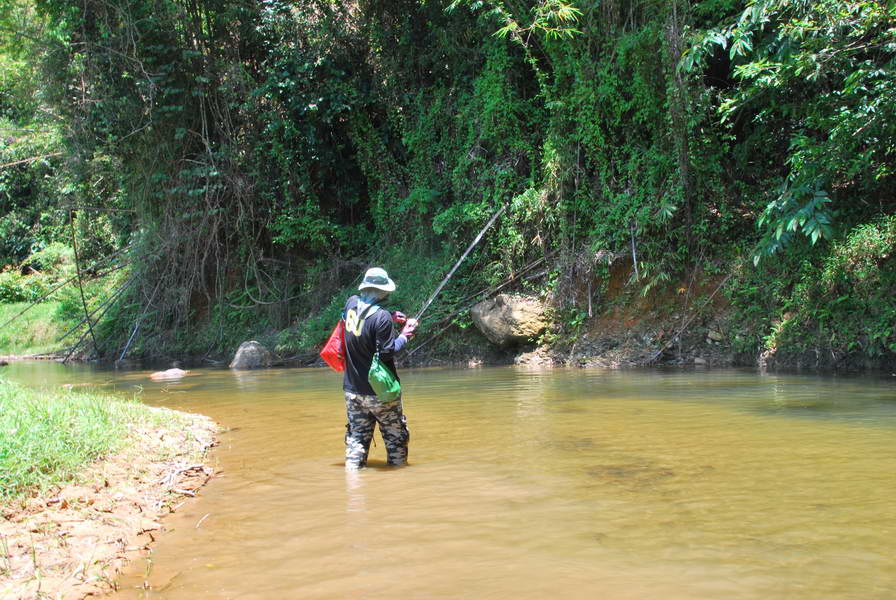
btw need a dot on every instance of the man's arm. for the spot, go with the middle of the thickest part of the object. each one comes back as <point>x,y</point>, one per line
<point>387,343</point>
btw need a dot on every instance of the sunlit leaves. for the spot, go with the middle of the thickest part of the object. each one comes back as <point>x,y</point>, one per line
<point>553,19</point>
<point>556,19</point>
<point>741,43</point>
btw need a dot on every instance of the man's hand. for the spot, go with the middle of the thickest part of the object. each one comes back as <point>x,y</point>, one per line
<point>399,318</point>
<point>410,328</point>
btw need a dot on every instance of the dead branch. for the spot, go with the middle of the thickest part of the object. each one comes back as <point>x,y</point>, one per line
<point>28,160</point>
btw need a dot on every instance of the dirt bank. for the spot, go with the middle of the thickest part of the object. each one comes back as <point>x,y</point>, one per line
<point>610,324</point>
<point>689,323</point>
<point>72,542</point>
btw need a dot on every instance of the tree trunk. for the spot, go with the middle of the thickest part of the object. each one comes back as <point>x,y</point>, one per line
<point>678,110</point>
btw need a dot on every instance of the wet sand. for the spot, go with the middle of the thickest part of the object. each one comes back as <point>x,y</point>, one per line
<point>73,541</point>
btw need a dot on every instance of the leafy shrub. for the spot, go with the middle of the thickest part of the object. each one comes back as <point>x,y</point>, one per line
<point>850,301</point>
<point>838,301</point>
<point>15,287</point>
<point>55,258</point>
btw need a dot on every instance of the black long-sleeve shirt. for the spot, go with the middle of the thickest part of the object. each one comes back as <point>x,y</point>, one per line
<point>365,335</point>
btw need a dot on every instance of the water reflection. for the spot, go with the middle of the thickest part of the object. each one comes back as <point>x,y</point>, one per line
<point>357,501</point>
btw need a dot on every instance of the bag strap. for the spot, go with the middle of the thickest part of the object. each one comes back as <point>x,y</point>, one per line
<point>367,312</point>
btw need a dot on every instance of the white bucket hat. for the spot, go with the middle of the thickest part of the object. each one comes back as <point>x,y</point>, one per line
<point>377,278</point>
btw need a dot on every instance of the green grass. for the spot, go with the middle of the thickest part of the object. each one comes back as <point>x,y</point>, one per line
<point>47,437</point>
<point>36,332</point>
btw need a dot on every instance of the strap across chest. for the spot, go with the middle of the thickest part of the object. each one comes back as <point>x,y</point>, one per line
<point>354,322</point>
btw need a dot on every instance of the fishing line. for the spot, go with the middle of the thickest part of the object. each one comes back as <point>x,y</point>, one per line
<point>460,260</point>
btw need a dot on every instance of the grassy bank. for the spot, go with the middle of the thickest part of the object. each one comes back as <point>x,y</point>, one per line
<point>47,437</point>
<point>85,480</point>
<point>35,332</point>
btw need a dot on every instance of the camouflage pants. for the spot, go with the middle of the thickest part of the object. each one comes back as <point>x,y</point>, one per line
<point>364,412</point>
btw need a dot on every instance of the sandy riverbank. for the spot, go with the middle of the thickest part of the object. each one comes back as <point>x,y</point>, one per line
<point>72,541</point>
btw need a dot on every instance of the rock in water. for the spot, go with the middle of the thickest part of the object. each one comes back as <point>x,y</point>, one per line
<point>507,320</point>
<point>167,375</point>
<point>251,355</point>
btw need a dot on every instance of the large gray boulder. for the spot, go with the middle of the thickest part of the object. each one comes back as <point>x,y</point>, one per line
<point>508,320</point>
<point>251,355</point>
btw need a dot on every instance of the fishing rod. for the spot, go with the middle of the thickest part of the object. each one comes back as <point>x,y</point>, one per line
<point>467,307</point>
<point>460,260</point>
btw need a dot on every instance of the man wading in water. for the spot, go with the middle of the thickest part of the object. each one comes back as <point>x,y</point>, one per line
<point>368,331</point>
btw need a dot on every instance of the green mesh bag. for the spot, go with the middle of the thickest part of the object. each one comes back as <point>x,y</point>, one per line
<point>383,381</point>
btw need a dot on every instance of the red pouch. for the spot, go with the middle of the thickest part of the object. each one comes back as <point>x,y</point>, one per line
<point>334,350</point>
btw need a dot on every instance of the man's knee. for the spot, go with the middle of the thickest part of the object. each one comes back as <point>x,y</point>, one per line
<point>396,436</point>
<point>394,424</point>
<point>358,435</point>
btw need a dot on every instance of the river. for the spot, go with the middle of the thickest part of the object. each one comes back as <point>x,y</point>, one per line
<point>532,484</point>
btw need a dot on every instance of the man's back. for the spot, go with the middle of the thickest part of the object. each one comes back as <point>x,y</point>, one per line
<point>368,330</point>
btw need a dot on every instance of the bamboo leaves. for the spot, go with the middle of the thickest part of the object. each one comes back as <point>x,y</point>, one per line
<point>553,19</point>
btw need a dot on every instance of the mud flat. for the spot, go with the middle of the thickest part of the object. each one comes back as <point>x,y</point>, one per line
<point>71,541</point>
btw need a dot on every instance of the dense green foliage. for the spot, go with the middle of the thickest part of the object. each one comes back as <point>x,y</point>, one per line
<point>30,144</point>
<point>818,77</point>
<point>841,304</point>
<point>256,156</point>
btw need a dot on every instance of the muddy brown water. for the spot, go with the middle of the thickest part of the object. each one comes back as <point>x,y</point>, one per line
<point>532,484</point>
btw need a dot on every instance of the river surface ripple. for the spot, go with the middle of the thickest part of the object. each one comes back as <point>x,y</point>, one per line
<point>532,484</point>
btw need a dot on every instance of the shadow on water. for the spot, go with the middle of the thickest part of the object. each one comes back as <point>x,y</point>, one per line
<point>853,398</point>
<point>843,399</point>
